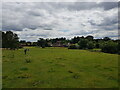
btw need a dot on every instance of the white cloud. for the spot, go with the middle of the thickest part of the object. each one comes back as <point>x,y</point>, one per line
<point>48,20</point>
<point>61,1</point>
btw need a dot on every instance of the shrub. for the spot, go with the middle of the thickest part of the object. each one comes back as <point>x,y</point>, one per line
<point>110,47</point>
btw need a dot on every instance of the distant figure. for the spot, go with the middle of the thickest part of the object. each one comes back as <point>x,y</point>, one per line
<point>25,51</point>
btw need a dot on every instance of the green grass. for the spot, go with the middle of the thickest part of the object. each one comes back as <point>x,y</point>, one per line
<point>59,68</point>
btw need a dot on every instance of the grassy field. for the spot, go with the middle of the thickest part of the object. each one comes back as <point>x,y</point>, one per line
<point>59,68</point>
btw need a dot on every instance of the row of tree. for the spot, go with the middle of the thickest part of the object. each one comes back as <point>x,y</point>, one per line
<point>11,40</point>
<point>106,45</point>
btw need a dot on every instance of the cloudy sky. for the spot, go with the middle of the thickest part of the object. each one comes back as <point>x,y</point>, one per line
<point>60,19</point>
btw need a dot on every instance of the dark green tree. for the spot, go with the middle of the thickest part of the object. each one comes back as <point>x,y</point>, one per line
<point>0,39</point>
<point>90,45</point>
<point>41,42</point>
<point>90,38</point>
<point>76,39</point>
<point>106,39</point>
<point>110,47</point>
<point>83,43</point>
<point>10,40</point>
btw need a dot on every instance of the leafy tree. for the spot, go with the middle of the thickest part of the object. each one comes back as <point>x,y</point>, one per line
<point>23,41</point>
<point>0,39</point>
<point>3,40</point>
<point>83,43</point>
<point>90,45</point>
<point>10,40</point>
<point>41,42</point>
<point>34,44</point>
<point>28,43</point>
<point>76,39</point>
<point>97,45</point>
<point>110,47</point>
<point>118,47</point>
<point>106,39</point>
<point>90,38</point>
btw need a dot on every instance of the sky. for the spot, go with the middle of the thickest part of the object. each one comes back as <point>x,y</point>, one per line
<point>34,20</point>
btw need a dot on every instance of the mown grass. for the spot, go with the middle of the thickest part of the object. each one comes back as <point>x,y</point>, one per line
<point>59,68</point>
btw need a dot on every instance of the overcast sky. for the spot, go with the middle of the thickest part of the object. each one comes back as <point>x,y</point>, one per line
<point>60,19</point>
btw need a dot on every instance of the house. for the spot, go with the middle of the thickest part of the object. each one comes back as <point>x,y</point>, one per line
<point>59,44</point>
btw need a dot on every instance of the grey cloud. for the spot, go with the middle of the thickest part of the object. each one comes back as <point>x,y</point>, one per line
<point>109,22</point>
<point>109,28</point>
<point>48,29</point>
<point>47,19</point>
<point>108,5</point>
<point>106,22</point>
<point>86,5</point>
<point>34,13</point>
<point>25,14</point>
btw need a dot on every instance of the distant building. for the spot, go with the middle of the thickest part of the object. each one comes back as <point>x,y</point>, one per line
<point>59,44</point>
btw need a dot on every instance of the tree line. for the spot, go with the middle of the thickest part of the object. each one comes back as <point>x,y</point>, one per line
<point>106,44</point>
<point>10,40</point>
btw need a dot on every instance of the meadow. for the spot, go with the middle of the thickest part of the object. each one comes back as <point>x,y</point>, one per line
<point>58,67</point>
